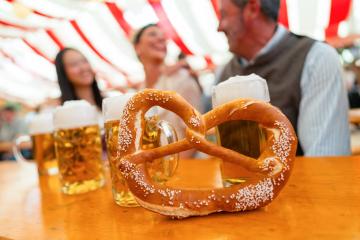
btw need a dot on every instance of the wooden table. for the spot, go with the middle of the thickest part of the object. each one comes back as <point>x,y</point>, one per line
<point>354,116</point>
<point>321,201</point>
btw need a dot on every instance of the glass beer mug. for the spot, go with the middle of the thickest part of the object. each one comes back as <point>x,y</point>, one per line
<point>245,137</point>
<point>78,147</point>
<point>155,131</point>
<point>42,140</point>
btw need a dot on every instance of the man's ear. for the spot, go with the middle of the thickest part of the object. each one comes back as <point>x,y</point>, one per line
<point>252,10</point>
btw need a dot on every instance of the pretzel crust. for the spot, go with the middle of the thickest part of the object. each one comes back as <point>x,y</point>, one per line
<point>272,169</point>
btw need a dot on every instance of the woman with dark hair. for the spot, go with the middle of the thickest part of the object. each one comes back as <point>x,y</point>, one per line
<point>150,46</point>
<point>76,77</point>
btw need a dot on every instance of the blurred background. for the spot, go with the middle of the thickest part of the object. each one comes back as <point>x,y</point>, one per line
<point>32,32</point>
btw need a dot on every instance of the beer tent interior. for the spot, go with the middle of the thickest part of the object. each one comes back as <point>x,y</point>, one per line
<point>32,32</point>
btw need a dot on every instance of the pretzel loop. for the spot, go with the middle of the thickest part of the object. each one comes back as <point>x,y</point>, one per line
<point>272,167</point>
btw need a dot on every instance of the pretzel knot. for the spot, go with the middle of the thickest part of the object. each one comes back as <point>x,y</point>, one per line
<point>272,168</point>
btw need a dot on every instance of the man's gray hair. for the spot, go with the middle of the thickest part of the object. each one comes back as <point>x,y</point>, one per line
<point>269,8</point>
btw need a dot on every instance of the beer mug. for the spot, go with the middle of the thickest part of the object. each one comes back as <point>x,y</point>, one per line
<point>42,140</point>
<point>78,147</point>
<point>160,169</point>
<point>245,137</point>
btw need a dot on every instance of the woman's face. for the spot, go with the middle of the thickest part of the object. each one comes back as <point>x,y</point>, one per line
<point>152,44</point>
<point>77,68</point>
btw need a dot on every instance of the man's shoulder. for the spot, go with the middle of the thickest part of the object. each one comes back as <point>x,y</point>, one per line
<point>322,63</point>
<point>322,52</point>
<point>320,47</point>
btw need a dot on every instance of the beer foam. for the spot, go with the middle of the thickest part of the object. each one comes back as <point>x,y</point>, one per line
<point>113,106</point>
<point>41,123</point>
<point>73,114</point>
<point>250,86</point>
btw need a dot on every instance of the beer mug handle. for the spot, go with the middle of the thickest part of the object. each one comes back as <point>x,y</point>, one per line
<point>16,148</point>
<point>170,163</point>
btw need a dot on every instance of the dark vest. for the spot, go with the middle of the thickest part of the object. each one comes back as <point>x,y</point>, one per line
<point>282,68</point>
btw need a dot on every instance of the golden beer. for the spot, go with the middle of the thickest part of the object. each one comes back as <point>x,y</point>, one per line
<point>152,133</point>
<point>121,193</point>
<point>42,144</point>
<point>159,169</point>
<point>245,137</point>
<point>43,150</point>
<point>162,168</point>
<point>79,152</point>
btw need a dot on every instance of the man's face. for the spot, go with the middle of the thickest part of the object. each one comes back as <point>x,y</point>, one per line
<point>232,24</point>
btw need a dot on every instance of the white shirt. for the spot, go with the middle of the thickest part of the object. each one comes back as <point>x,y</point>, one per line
<point>323,126</point>
<point>183,84</point>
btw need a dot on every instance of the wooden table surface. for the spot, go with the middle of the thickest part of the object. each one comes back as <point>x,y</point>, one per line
<point>321,201</point>
<point>354,115</point>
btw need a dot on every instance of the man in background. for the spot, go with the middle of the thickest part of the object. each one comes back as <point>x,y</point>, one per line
<point>303,75</point>
<point>10,127</point>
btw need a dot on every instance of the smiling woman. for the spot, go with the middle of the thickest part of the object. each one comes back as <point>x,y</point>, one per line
<point>150,47</point>
<point>76,77</point>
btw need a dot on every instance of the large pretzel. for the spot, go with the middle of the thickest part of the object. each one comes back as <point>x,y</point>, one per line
<point>272,168</point>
